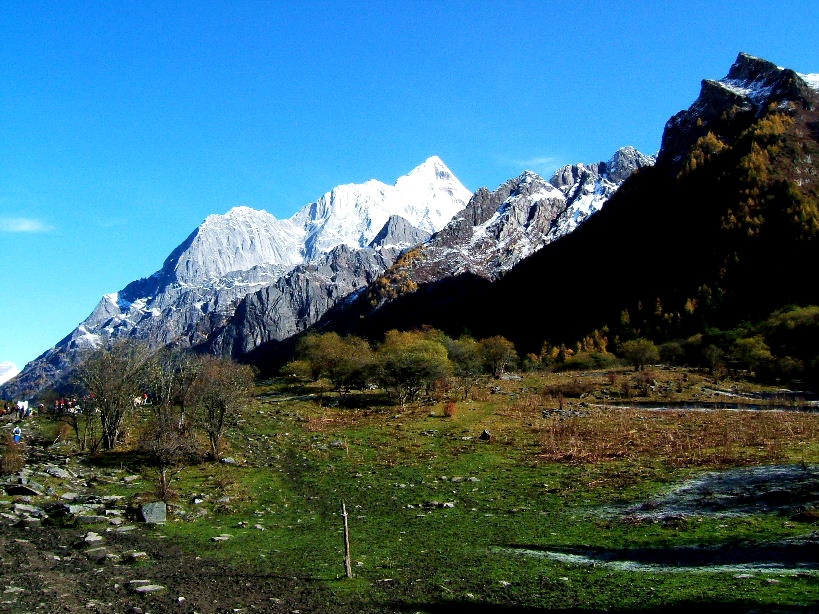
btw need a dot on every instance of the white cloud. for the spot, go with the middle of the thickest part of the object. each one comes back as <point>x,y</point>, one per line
<point>23,224</point>
<point>539,162</point>
<point>542,165</point>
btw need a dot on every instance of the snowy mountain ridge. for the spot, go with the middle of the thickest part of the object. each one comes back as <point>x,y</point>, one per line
<point>498,229</point>
<point>244,250</point>
<point>350,214</point>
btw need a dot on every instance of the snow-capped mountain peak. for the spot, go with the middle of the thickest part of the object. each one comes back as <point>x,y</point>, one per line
<point>236,253</point>
<point>235,241</point>
<point>427,197</point>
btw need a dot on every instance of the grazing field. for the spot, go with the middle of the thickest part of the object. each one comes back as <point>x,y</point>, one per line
<point>566,503</point>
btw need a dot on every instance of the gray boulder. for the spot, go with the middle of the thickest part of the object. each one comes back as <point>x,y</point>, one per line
<point>154,513</point>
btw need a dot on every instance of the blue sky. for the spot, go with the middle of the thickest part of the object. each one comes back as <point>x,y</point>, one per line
<point>124,124</point>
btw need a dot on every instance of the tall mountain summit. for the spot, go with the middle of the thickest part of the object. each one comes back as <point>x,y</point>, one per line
<point>231,255</point>
<point>496,230</point>
<point>723,229</point>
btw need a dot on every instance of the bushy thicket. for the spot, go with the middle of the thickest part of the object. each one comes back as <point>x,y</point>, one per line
<point>784,347</point>
<point>407,364</point>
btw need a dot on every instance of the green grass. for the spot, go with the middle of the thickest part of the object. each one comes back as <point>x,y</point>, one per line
<point>293,480</point>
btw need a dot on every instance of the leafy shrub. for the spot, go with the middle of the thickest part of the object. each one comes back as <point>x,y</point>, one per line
<point>572,389</point>
<point>586,361</point>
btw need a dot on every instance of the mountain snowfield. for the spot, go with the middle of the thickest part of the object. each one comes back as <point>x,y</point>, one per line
<point>350,214</point>
<point>7,371</point>
<point>244,250</point>
<point>229,256</point>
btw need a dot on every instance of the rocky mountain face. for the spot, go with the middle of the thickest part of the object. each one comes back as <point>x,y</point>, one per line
<point>229,256</point>
<point>297,300</point>
<point>750,87</point>
<point>587,187</point>
<point>398,233</point>
<point>733,238</point>
<point>498,229</point>
<point>487,238</point>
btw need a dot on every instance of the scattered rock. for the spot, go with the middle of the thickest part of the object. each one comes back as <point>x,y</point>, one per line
<point>229,460</point>
<point>130,478</point>
<point>155,512</point>
<point>125,528</point>
<point>221,538</point>
<point>136,556</point>
<point>90,519</point>
<point>33,510</point>
<point>83,508</point>
<point>148,588</point>
<point>438,504</point>
<point>59,472</point>
<point>485,435</point>
<point>93,538</point>
<point>97,554</point>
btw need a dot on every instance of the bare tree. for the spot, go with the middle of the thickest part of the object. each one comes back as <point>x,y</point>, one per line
<point>112,378</point>
<point>222,387</point>
<point>169,444</point>
<point>171,373</point>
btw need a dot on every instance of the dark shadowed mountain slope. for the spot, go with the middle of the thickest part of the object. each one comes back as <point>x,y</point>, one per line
<point>723,229</point>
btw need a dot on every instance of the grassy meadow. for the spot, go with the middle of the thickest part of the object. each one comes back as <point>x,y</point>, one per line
<point>538,484</point>
<point>441,518</point>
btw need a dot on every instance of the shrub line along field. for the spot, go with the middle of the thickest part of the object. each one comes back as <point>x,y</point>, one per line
<point>561,505</point>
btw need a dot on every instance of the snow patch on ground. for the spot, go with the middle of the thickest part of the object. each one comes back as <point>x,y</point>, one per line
<point>773,489</point>
<point>735,492</point>
<point>786,567</point>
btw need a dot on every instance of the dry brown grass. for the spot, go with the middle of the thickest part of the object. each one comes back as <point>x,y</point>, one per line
<point>12,459</point>
<point>681,438</point>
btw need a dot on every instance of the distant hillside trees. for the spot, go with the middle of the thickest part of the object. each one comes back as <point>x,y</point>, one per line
<point>406,364</point>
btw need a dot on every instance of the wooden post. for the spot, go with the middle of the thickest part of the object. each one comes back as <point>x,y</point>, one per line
<point>348,567</point>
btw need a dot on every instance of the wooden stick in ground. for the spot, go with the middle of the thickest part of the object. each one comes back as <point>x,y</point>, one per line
<point>348,567</point>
